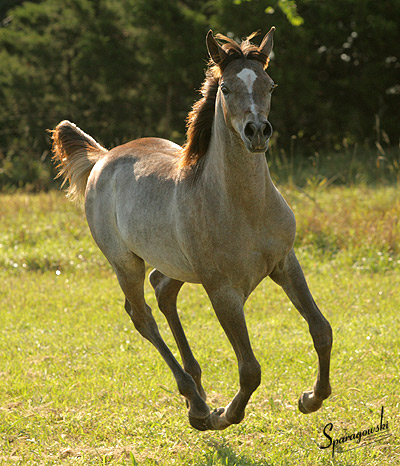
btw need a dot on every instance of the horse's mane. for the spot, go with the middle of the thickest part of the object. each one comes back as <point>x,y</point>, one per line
<point>200,119</point>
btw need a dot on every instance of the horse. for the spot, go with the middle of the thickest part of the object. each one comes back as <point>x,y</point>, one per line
<point>205,213</point>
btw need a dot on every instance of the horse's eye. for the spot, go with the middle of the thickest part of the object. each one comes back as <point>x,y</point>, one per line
<point>273,87</point>
<point>224,89</point>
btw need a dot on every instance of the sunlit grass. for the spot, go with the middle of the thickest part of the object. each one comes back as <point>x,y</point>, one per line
<point>44,232</point>
<point>79,386</point>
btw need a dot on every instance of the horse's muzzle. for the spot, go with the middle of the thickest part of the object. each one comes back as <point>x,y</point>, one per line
<point>257,135</point>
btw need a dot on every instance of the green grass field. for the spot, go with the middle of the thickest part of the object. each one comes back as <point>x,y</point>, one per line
<point>79,386</point>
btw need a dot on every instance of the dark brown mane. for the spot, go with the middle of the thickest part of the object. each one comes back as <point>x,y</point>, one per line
<point>200,119</point>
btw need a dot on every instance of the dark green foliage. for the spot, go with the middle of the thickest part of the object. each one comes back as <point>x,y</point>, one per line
<point>126,69</point>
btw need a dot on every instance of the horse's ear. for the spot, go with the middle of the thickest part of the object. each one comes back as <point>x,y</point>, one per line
<point>267,43</point>
<point>215,51</point>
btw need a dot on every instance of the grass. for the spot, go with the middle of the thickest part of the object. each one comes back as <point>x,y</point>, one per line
<point>79,386</point>
<point>346,165</point>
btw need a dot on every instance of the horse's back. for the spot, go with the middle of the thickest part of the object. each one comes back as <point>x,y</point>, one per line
<point>147,147</point>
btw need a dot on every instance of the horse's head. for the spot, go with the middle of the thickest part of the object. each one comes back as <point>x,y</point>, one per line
<point>244,92</point>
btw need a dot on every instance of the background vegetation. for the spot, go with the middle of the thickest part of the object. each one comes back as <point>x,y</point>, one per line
<point>131,68</point>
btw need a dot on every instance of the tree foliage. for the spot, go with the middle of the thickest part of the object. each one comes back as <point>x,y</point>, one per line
<point>131,68</point>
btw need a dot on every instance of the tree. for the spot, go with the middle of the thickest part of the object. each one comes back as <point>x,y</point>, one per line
<point>337,66</point>
<point>131,68</point>
<point>111,67</point>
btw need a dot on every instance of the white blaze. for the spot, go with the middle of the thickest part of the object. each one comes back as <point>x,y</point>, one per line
<point>248,77</point>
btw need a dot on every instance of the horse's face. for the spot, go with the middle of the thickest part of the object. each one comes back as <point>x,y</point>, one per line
<point>245,88</point>
<point>245,97</point>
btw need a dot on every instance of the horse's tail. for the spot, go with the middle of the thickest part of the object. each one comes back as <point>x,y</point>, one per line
<point>74,153</point>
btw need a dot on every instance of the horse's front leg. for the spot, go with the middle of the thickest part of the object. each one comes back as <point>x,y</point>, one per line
<point>228,306</point>
<point>290,276</point>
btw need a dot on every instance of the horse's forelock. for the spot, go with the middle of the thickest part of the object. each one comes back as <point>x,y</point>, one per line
<point>243,50</point>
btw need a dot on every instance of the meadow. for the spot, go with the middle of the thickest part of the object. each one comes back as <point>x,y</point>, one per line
<point>79,386</point>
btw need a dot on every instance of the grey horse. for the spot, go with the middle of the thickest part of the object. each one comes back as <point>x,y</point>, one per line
<point>204,213</point>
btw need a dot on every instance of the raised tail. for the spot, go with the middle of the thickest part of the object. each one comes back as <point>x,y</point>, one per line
<point>74,153</point>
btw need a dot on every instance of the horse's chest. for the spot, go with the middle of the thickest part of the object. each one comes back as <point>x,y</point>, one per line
<point>245,254</point>
<point>258,253</point>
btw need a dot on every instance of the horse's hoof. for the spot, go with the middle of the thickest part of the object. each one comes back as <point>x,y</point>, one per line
<point>214,421</point>
<point>217,420</point>
<point>308,403</point>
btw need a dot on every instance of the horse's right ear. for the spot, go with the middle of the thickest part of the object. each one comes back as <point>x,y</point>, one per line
<point>215,51</point>
<point>267,43</point>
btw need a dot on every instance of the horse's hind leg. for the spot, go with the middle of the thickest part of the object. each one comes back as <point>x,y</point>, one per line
<point>166,290</point>
<point>131,272</point>
<point>292,280</point>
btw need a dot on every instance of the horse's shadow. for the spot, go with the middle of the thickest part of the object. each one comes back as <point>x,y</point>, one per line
<point>222,453</point>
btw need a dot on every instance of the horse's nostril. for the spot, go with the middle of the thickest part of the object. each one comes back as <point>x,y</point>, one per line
<point>263,129</point>
<point>249,130</point>
<point>267,131</point>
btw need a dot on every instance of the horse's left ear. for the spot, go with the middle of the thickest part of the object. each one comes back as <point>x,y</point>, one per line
<point>267,43</point>
<point>216,52</point>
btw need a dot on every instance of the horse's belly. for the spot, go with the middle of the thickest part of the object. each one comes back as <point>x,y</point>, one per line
<point>162,252</point>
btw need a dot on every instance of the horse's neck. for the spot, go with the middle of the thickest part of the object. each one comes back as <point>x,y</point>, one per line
<point>241,176</point>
